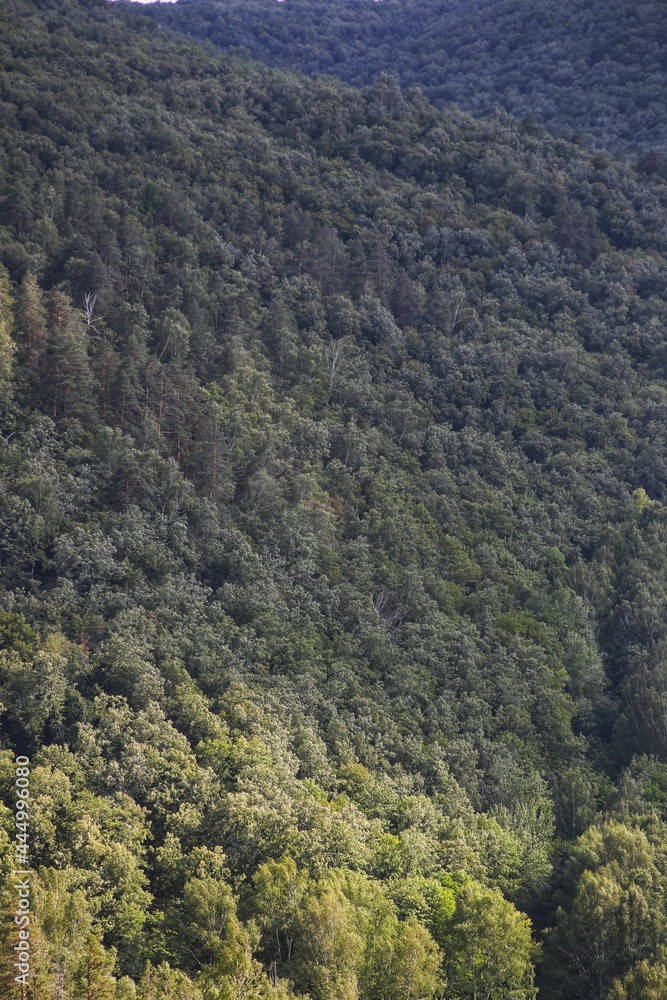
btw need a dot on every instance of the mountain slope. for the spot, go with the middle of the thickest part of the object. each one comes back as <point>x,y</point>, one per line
<point>597,67</point>
<point>332,530</point>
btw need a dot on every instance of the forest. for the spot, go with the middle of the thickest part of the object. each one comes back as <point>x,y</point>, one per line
<point>597,69</point>
<point>333,532</point>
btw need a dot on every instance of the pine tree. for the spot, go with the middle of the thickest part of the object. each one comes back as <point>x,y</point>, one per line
<point>93,979</point>
<point>6,343</point>
<point>357,269</point>
<point>30,326</point>
<point>66,383</point>
<point>105,367</point>
<point>130,387</point>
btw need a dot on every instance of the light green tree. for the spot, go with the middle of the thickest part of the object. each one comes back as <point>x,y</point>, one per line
<point>490,953</point>
<point>7,347</point>
<point>331,948</point>
<point>165,983</point>
<point>64,918</point>
<point>279,889</point>
<point>415,969</point>
<point>646,981</point>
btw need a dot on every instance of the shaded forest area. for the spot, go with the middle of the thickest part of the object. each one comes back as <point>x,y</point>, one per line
<point>333,526</point>
<point>596,68</point>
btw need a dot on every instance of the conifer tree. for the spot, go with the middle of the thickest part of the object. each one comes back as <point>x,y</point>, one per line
<point>66,383</point>
<point>93,979</point>
<point>6,343</point>
<point>31,334</point>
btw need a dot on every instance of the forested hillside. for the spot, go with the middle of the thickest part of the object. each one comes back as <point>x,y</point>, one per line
<point>333,533</point>
<point>599,67</point>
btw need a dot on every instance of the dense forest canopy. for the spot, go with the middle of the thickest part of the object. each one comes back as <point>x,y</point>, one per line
<point>598,67</point>
<point>333,526</point>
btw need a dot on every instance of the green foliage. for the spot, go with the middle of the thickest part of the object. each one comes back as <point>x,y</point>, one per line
<point>164,983</point>
<point>491,952</point>
<point>332,532</point>
<point>7,348</point>
<point>610,919</point>
<point>646,981</point>
<point>597,69</point>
